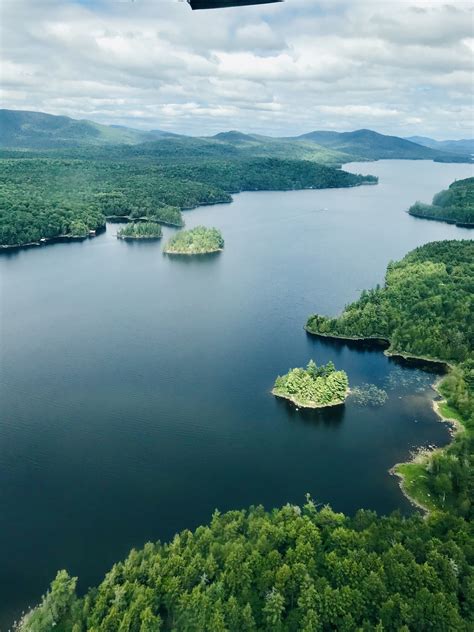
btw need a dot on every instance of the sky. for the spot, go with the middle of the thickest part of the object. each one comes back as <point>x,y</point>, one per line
<point>402,67</point>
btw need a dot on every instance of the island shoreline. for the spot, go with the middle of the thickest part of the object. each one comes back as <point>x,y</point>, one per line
<point>423,454</point>
<point>182,253</point>
<point>309,406</point>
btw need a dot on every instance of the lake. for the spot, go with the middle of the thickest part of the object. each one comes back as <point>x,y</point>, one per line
<point>135,388</point>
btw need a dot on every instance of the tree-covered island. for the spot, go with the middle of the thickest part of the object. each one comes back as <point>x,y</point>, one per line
<point>197,241</point>
<point>313,387</point>
<point>140,230</point>
<point>454,205</point>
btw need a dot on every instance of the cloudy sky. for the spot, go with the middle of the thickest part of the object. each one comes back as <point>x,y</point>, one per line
<point>398,66</point>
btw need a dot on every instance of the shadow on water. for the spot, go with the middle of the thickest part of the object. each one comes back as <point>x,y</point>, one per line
<point>149,242</point>
<point>332,416</point>
<point>192,260</point>
<point>375,344</point>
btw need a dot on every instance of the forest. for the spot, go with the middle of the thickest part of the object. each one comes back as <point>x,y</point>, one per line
<point>455,204</point>
<point>425,310</point>
<point>49,197</point>
<point>140,230</point>
<point>294,569</point>
<point>313,387</point>
<point>197,241</point>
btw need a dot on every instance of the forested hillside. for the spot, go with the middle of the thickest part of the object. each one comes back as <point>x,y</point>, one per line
<point>37,130</point>
<point>42,198</point>
<point>365,144</point>
<point>426,309</point>
<point>455,204</point>
<point>292,570</point>
<point>44,133</point>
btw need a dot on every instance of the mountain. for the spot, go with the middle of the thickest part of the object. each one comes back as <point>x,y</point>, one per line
<point>365,144</point>
<point>37,130</point>
<point>466,145</point>
<point>233,136</point>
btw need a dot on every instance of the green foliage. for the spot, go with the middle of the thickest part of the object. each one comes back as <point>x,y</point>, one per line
<point>314,386</point>
<point>455,204</point>
<point>425,309</point>
<point>294,569</point>
<point>56,607</point>
<point>140,230</point>
<point>41,131</point>
<point>197,241</point>
<point>42,197</point>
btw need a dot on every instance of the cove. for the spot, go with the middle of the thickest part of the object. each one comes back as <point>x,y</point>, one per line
<point>135,388</point>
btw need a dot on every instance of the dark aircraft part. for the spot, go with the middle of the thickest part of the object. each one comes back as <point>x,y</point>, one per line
<point>220,4</point>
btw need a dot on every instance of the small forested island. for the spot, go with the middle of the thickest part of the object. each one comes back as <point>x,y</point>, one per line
<point>313,387</point>
<point>140,230</point>
<point>197,241</point>
<point>454,205</point>
<point>425,311</point>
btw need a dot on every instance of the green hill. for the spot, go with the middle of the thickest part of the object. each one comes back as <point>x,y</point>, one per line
<point>36,130</point>
<point>454,205</point>
<point>365,144</point>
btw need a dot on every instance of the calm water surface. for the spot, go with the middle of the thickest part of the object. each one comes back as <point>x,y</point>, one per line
<point>135,388</point>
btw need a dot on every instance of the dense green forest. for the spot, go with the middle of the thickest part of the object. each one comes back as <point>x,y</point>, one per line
<point>313,387</point>
<point>296,569</point>
<point>140,230</point>
<point>46,197</point>
<point>425,309</point>
<point>455,204</point>
<point>197,241</point>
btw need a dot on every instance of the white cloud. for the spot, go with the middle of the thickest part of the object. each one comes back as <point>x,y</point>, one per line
<point>402,67</point>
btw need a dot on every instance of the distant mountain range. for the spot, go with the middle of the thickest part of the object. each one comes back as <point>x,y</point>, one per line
<point>466,145</point>
<point>366,143</point>
<point>37,131</point>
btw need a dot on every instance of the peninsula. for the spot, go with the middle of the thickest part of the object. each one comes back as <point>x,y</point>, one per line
<point>454,205</point>
<point>197,241</point>
<point>313,387</point>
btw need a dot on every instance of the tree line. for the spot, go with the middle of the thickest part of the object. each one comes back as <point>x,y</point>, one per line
<point>48,197</point>
<point>455,204</point>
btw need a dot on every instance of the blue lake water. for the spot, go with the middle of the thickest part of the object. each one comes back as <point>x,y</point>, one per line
<point>135,388</point>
